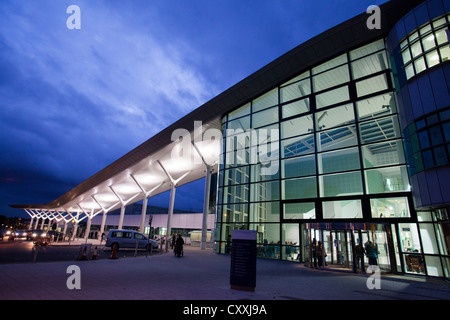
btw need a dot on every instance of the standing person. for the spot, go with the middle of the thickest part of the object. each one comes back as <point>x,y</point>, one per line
<point>314,252</point>
<point>319,253</point>
<point>174,238</point>
<point>372,253</point>
<point>179,246</point>
<point>359,250</point>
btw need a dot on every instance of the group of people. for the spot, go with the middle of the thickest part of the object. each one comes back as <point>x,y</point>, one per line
<point>177,245</point>
<point>370,250</point>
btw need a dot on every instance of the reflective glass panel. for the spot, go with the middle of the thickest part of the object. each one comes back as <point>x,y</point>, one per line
<point>331,97</point>
<point>377,106</point>
<point>340,184</point>
<point>369,65</point>
<point>371,85</point>
<point>265,212</point>
<point>391,179</point>
<point>344,209</point>
<point>299,188</point>
<point>331,78</point>
<point>382,154</point>
<point>297,146</point>
<point>295,108</point>
<point>340,160</point>
<point>295,90</point>
<point>265,191</point>
<point>390,207</point>
<point>304,210</point>
<point>265,117</point>
<point>379,130</point>
<point>296,127</point>
<point>266,100</point>
<point>335,117</point>
<point>298,166</point>
<point>336,138</point>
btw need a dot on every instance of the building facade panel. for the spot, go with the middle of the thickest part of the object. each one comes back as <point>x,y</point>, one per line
<point>328,155</point>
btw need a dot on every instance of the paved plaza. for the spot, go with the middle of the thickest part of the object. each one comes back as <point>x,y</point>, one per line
<point>202,275</point>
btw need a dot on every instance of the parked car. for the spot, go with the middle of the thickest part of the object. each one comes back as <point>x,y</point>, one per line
<point>128,239</point>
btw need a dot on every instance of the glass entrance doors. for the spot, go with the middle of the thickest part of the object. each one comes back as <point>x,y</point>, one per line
<point>340,241</point>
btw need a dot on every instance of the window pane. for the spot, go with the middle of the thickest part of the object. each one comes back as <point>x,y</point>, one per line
<point>298,167</point>
<point>242,111</point>
<point>264,172</point>
<point>241,123</point>
<point>432,58</point>
<point>267,100</point>
<point>332,97</point>
<point>382,154</point>
<point>416,49</point>
<point>237,158</point>
<point>419,65</point>
<point>297,146</point>
<point>304,75</point>
<point>336,161</point>
<point>392,179</point>
<point>330,64</point>
<point>409,70</point>
<point>428,42</point>
<point>376,106</point>
<point>300,188</point>
<point>235,213</point>
<point>295,90</point>
<point>295,108</point>
<point>331,78</point>
<point>440,156</point>
<point>336,138</point>
<point>342,209</point>
<point>406,55</point>
<point>296,127</point>
<point>379,130</point>
<point>371,85</point>
<point>390,208</point>
<point>304,210</point>
<point>409,237</point>
<point>435,135</point>
<point>445,53</point>
<point>428,238</point>
<point>335,117</point>
<point>265,117</point>
<point>235,194</point>
<point>265,191</point>
<point>265,212</point>
<point>367,49</point>
<point>237,175</point>
<point>442,36</point>
<point>369,65</point>
<point>340,184</point>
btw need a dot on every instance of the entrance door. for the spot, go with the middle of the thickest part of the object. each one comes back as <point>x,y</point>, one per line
<point>380,239</point>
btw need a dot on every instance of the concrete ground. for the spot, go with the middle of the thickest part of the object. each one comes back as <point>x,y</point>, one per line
<point>202,275</point>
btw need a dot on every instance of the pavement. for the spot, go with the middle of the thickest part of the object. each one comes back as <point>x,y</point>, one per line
<point>202,275</point>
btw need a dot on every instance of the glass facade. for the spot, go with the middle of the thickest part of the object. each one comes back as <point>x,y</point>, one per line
<point>323,158</point>
<point>324,146</point>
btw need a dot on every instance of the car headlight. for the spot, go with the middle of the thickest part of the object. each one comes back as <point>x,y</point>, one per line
<point>34,234</point>
<point>43,234</point>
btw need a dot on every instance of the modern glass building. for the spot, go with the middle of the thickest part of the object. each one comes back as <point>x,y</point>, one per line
<point>344,139</point>
<point>352,149</point>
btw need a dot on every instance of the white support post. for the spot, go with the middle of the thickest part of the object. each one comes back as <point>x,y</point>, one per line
<point>75,227</point>
<point>145,202</point>
<point>206,198</point>
<point>206,207</point>
<point>173,188</point>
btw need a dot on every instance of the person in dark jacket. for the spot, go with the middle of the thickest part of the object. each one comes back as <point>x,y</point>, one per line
<point>179,246</point>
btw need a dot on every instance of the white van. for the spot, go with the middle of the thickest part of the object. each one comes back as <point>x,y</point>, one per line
<point>129,239</point>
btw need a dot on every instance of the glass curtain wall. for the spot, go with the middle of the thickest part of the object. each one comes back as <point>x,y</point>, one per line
<point>324,146</point>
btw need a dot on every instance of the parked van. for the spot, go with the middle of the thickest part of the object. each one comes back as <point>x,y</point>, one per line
<point>128,239</point>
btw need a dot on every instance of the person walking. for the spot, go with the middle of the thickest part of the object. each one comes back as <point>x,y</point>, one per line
<point>372,253</point>
<point>360,252</point>
<point>320,255</point>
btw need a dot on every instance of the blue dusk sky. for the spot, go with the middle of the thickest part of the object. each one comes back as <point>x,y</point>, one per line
<point>72,101</point>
